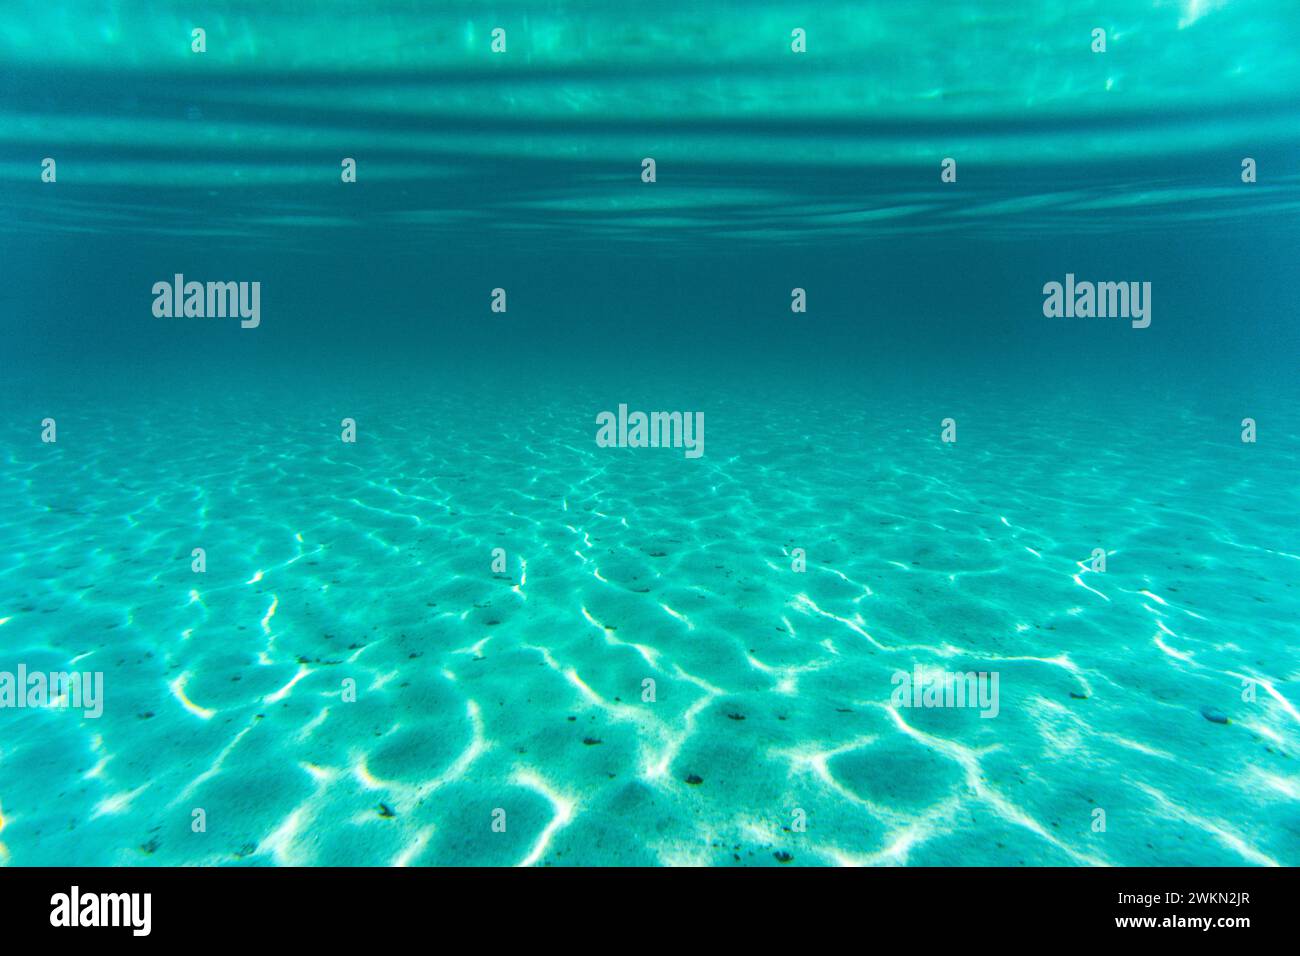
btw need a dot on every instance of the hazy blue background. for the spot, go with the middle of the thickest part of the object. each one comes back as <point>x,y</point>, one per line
<point>776,170</point>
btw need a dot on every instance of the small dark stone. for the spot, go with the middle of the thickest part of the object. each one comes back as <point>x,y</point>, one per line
<point>591,741</point>
<point>386,811</point>
<point>782,856</point>
<point>1078,696</point>
<point>146,715</point>
<point>1214,715</point>
<point>736,716</point>
<point>694,780</point>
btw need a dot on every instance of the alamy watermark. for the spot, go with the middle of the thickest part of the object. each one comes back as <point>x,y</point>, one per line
<point>75,908</point>
<point>208,300</point>
<point>58,690</point>
<point>932,687</point>
<point>651,430</point>
<point>1102,300</point>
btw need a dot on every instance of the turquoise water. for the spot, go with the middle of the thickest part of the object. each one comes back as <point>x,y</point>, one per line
<point>358,678</point>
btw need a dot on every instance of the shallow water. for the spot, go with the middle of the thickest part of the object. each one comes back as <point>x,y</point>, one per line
<point>773,736</point>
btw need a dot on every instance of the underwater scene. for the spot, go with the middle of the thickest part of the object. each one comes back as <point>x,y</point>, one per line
<point>584,433</point>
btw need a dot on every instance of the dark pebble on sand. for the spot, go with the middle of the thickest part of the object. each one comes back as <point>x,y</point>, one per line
<point>1214,716</point>
<point>782,856</point>
<point>591,741</point>
<point>386,811</point>
<point>694,780</point>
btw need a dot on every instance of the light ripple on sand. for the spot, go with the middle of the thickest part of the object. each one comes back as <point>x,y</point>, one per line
<point>523,690</point>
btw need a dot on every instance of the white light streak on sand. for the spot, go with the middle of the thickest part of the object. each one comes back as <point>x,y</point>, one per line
<point>270,613</point>
<point>119,802</point>
<point>677,614</point>
<point>968,758</point>
<point>804,603</point>
<point>1226,837</point>
<point>562,808</point>
<point>283,692</point>
<point>178,691</point>
<point>1079,581</point>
